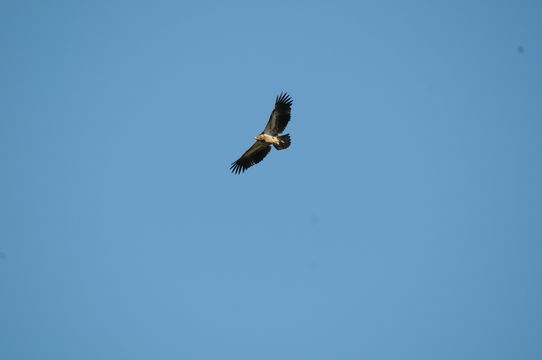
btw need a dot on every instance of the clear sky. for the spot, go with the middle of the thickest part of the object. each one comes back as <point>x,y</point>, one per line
<point>404,222</point>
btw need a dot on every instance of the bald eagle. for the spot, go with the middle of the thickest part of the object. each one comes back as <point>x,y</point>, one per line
<point>270,136</point>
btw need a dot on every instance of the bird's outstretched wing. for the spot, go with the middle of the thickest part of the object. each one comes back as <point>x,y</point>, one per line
<point>280,116</point>
<point>252,156</point>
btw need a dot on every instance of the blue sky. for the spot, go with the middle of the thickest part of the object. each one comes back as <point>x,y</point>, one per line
<point>405,221</point>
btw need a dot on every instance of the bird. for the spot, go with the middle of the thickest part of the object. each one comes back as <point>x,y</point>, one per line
<point>270,136</point>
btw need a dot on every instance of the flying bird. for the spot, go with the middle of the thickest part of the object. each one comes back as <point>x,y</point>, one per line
<point>270,136</point>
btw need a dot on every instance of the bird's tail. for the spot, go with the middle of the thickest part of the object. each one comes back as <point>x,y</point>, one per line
<point>284,142</point>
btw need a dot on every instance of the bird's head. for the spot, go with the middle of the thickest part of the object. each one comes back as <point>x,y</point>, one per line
<point>259,137</point>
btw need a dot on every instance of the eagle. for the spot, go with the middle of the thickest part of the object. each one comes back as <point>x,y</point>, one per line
<point>270,136</point>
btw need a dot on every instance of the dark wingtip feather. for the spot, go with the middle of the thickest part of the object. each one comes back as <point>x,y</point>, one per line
<point>237,168</point>
<point>284,99</point>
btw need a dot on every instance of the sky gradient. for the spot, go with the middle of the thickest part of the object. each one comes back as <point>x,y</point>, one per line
<point>404,222</point>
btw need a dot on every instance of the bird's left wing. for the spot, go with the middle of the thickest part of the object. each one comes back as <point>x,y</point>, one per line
<point>252,156</point>
<point>280,116</point>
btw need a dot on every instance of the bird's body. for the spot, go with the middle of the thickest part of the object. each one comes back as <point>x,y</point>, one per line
<point>270,136</point>
<point>269,139</point>
<point>273,140</point>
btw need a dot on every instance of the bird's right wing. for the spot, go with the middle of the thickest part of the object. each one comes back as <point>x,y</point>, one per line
<point>252,156</point>
<point>280,115</point>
